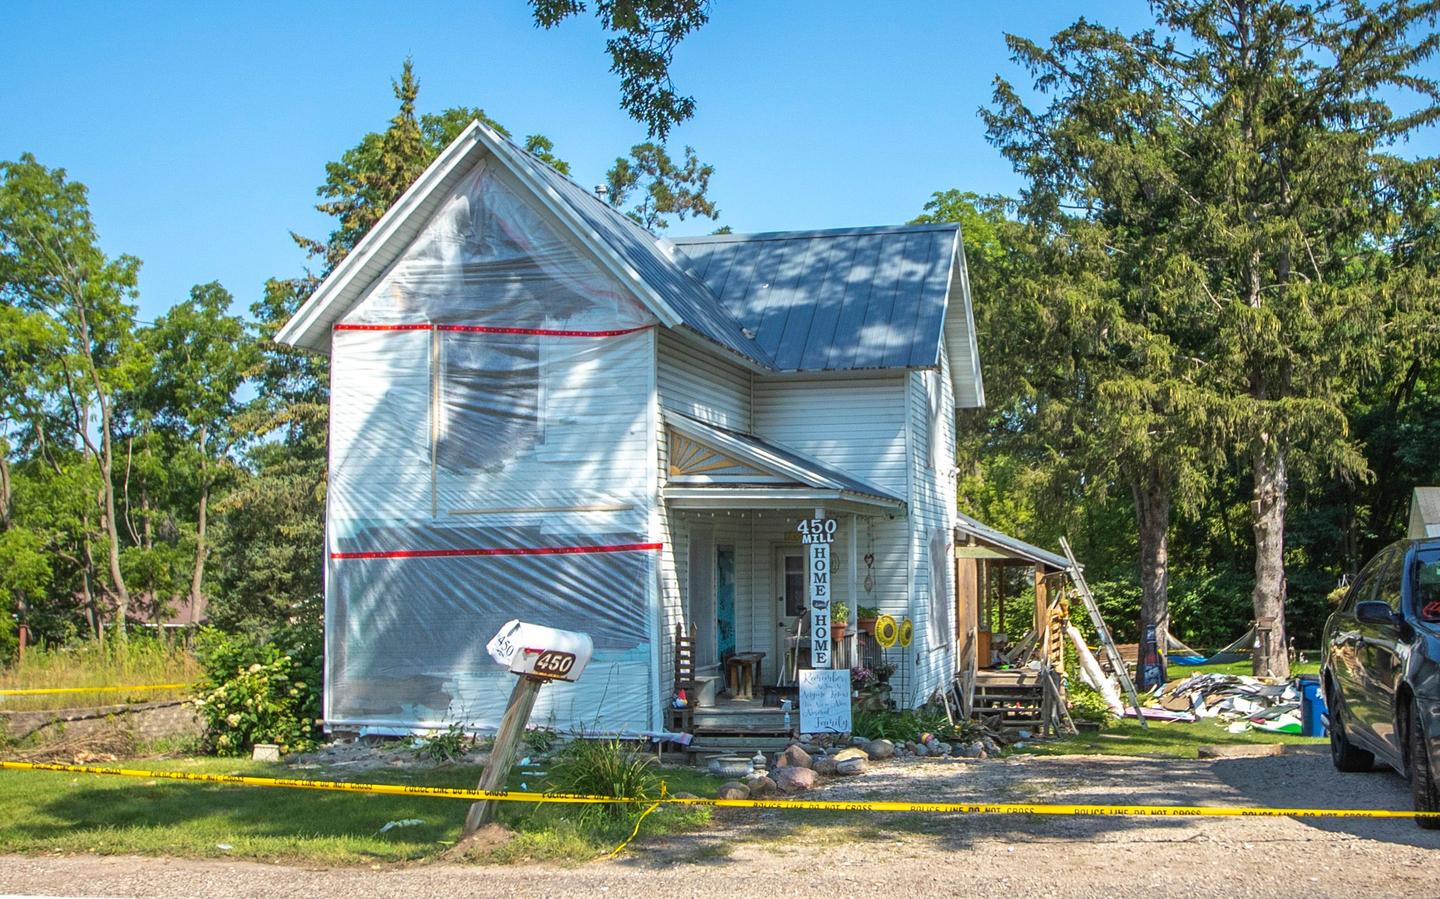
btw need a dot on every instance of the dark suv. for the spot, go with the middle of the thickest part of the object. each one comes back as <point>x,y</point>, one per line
<point>1382,670</point>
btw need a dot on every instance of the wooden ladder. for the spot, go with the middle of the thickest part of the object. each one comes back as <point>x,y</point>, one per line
<point>1106,642</point>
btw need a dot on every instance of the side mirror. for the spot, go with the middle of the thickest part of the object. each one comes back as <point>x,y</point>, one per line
<point>1373,612</point>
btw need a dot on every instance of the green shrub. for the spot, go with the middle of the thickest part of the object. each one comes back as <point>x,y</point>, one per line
<point>605,768</point>
<point>260,688</point>
<point>448,745</point>
<point>1086,704</point>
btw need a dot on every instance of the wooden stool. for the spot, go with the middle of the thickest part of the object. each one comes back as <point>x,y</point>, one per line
<point>742,670</point>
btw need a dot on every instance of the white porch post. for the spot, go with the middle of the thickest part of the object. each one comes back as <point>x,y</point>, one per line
<point>852,565</point>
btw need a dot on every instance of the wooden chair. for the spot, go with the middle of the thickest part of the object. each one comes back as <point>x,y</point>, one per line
<point>683,720</point>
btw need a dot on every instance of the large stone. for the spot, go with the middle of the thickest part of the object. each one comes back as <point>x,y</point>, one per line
<point>793,757</point>
<point>760,787</point>
<point>970,750</point>
<point>824,765</point>
<point>855,765</point>
<point>732,790</point>
<point>793,780</point>
<point>942,748</point>
<point>854,752</point>
<point>879,749</point>
<point>920,749</point>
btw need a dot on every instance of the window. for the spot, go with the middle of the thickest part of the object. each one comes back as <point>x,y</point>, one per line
<point>1425,583</point>
<point>488,409</point>
<point>1389,577</point>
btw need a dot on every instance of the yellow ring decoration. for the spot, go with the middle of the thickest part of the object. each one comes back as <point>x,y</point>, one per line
<point>886,631</point>
<point>907,632</point>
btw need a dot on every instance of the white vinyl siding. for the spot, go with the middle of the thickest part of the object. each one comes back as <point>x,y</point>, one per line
<point>857,424</point>
<point>932,508</point>
<point>701,384</point>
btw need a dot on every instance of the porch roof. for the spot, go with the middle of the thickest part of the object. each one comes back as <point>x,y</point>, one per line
<point>796,481</point>
<point>1010,547</point>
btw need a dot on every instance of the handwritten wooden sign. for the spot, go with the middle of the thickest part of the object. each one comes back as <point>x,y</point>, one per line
<point>824,701</point>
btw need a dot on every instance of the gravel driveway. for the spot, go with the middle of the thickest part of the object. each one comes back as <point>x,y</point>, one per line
<point>766,853</point>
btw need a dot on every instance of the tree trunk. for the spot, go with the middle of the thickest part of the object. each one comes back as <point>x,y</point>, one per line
<point>198,575</point>
<point>1267,510</point>
<point>112,529</point>
<point>1152,515</point>
<point>4,491</point>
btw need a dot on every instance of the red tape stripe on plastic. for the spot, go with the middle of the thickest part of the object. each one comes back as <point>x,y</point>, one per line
<point>382,327</point>
<point>487,329</point>
<point>500,551</point>
<point>541,332</point>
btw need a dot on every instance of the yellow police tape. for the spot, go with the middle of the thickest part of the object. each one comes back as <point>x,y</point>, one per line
<point>94,689</point>
<point>965,808</point>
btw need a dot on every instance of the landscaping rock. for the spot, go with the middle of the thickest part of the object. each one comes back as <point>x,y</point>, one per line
<point>854,765</point>
<point>793,780</point>
<point>793,757</point>
<point>825,765</point>
<point>854,752</point>
<point>970,750</point>
<point>942,748</point>
<point>684,795</point>
<point>760,787</point>
<point>920,749</point>
<point>732,790</point>
<point>879,749</point>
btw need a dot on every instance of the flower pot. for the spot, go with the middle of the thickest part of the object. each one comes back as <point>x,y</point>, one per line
<point>867,625</point>
<point>837,632</point>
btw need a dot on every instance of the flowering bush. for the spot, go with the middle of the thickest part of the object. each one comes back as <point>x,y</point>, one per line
<point>861,677</point>
<point>259,690</point>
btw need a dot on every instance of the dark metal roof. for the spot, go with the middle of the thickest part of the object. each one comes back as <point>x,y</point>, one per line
<point>765,455</point>
<point>833,300</point>
<point>645,253</point>
<point>986,534</point>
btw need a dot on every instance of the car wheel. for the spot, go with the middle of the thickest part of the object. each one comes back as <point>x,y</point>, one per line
<point>1346,755</point>
<point>1422,776</point>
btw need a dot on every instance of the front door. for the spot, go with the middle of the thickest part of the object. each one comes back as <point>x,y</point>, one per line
<point>703,616</point>
<point>790,609</point>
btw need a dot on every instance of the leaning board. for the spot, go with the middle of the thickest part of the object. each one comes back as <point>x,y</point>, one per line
<point>824,700</point>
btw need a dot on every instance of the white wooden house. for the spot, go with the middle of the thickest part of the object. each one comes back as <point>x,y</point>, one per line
<point>539,410</point>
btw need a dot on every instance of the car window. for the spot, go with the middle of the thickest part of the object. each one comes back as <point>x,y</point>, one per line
<point>1389,577</point>
<point>1425,583</point>
<point>1363,587</point>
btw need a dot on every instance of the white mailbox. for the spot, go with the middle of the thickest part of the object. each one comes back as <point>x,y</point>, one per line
<point>540,651</point>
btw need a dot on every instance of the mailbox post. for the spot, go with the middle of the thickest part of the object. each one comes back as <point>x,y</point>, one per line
<point>538,655</point>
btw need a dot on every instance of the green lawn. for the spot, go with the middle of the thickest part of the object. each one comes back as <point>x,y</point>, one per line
<point>46,811</point>
<point>1176,739</point>
<point>1178,672</point>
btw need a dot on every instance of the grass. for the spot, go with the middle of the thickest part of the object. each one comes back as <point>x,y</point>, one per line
<point>1177,672</point>
<point>1173,739</point>
<point>139,661</point>
<point>53,812</point>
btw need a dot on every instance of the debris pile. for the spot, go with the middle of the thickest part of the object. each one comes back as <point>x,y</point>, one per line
<point>1266,704</point>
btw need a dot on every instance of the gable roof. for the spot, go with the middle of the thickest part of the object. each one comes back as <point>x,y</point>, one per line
<point>841,300</point>
<point>756,453</point>
<point>833,300</point>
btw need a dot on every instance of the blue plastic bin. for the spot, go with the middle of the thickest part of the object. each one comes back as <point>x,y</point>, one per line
<point>1312,706</point>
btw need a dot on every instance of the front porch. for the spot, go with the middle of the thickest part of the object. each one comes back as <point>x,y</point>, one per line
<point>738,580</point>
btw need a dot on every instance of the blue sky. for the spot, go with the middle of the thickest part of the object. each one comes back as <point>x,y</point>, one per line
<point>203,129</point>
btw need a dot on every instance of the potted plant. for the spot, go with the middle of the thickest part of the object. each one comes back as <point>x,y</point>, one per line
<point>865,617</point>
<point>882,670</point>
<point>839,618</point>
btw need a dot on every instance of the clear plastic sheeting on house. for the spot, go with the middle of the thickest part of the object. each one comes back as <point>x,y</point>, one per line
<point>492,458</point>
